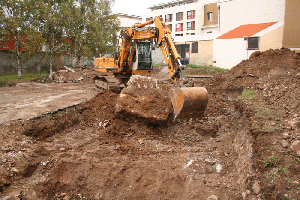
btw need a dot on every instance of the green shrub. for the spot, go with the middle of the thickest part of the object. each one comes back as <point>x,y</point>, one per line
<point>271,161</point>
<point>247,94</point>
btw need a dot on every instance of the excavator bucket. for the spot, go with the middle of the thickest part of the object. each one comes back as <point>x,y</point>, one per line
<point>189,102</point>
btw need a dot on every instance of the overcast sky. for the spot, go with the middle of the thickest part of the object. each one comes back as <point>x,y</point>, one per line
<point>135,7</point>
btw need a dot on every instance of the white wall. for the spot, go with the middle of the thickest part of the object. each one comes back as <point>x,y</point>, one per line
<point>193,38</point>
<point>239,12</point>
<point>127,21</point>
<point>230,52</point>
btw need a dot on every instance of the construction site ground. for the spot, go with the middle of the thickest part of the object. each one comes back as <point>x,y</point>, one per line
<point>247,145</point>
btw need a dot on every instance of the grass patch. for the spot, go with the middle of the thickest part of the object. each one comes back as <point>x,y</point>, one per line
<point>276,172</point>
<point>13,79</point>
<point>265,114</point>
<point>247,94</point>
<point>206,67</point>
<point>158,64</point>
<point>264,111</point>
<point>271,161</point>
<point>285,170</point>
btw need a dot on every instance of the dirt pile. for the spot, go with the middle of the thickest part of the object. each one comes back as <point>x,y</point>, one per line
<point>264,91</point>
<point>243,147</point>
<point>146,98</point>
<point>69,75</point>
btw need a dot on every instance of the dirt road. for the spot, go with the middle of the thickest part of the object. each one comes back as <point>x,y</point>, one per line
<point>29,100</point>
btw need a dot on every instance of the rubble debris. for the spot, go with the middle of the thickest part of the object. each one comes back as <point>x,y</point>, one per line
<point>68,75</point>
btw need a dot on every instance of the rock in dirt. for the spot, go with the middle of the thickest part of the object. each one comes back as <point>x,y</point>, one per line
<point>285,135</point>
<point>256,187</point>
<point>296,147</point>
<point>212,197</point>
<point>244,195</point>
<point>145,98</point>
<point>294,124</point>
<point>285,144</point>
<point>15,170</point>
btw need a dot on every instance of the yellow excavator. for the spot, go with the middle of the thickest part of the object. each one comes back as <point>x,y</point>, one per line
<point>134,57</point>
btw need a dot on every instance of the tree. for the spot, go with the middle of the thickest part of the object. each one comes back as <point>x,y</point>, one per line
<point>15,26</point>
<point>91,28</point>
<point>84,27</point>
<point>49,14</point>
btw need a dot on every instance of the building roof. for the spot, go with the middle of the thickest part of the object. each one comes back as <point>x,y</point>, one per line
<point>169,3</point>
<point>128,16</point>
<point>247,30</point>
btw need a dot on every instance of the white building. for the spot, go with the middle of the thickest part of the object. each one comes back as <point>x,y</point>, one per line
<point>196,25</point>
<point>247,26</point>
<point>128,20</point>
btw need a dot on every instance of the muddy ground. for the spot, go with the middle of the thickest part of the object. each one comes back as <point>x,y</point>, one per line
<point>245,147</point>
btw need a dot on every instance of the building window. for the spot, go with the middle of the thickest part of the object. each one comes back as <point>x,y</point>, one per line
<point>209,16</point>
<point>191,26</point>
<point>208,32</point>
<point>170,27</point>
<point>179,27</point>
<point>168,18</point>
<point>191,14</point>
<point>190,34</point>
<point>195,47</point>
<point>253,43</point>
<point>181,34</point>
<point>179,16</point>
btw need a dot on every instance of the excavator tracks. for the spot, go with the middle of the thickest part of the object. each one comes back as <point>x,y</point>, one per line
<point>108,81</point>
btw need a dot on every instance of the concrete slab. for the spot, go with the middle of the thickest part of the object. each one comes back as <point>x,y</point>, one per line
<point>29,100</point>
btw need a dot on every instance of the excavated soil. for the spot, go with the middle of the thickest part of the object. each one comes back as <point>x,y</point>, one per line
<point>145,98</point>
<point>245,147</point>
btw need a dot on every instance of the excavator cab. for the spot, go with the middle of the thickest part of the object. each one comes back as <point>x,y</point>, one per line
<point>142,56</point>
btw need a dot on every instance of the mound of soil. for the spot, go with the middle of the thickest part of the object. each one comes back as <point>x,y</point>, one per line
<point>265,89</point>
<point>245,147</point>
